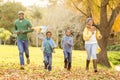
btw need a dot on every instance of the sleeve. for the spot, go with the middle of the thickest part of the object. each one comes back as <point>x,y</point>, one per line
<point>98,35</point>
<point>62,42</point>
<point>43,45</point>
<point>86,34</point>
<point>29,25</point>
<point>15,28</point>
<point>71,42</point>
<point>53,44</point>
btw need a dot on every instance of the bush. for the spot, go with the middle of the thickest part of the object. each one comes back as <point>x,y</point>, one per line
<point>114,57</point>
<point>113,47</point>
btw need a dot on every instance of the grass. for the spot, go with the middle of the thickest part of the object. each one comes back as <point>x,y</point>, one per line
<point>9,66</point>
<point>9,54</point>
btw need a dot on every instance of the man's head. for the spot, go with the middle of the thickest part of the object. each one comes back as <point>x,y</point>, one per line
<point>68,32</point>
<point>48,34</point>
<point>21,15</point>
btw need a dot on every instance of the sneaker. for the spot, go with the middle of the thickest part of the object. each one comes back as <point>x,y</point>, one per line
<point>22,67</point>
<point>28,61</point>
<point>95,71</point>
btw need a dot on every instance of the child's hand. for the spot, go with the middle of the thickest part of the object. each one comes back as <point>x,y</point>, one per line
<point>53,51</point>
<point>67,42</point>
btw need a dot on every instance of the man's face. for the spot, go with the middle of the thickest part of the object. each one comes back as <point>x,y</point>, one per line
<point>21,16</point>
<point>48,35</point>
<point>68,32</point>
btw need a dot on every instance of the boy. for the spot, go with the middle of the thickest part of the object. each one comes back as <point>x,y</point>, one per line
<point>67,43</point>
<point>48,45</point>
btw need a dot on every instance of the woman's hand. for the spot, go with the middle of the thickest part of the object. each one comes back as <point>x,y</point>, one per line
<point>93,29</point>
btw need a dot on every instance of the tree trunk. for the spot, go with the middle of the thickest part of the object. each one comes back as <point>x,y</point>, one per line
<point>0,41</point>
<point>102,57</point>
<point>104,29</point>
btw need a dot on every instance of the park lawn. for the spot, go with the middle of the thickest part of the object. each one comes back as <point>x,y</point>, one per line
<point>9,66</point>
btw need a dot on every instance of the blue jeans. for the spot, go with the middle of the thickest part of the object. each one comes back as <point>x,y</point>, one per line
<point>48,60</point>
<point>91,50</point>
<point>68,56</point>
<point>23,47</point>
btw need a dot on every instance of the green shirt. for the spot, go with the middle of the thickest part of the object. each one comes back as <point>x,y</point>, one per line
<point>22,25</point>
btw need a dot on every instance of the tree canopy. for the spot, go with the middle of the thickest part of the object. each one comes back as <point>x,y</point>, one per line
<point>8,13</point>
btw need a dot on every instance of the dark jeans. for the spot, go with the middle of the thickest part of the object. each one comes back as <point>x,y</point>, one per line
<point>68,56</point>
<point>48,60</point>
<point>23,47</point>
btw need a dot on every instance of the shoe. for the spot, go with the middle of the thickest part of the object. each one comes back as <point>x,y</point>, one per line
<point>69,67</point>
<point>45,64</point>
<point>22,67</point>
<point>87,64</point>
<point>28,61</point>
<point>95,65</point>
<point>49,68</point>
<point>65,63</point>
<point>95,71</point>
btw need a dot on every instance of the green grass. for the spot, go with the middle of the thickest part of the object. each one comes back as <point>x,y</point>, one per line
<point>9,66</point>
<point>9,54</point>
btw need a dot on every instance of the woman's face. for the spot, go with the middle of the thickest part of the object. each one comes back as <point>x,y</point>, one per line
<point>90,22</point>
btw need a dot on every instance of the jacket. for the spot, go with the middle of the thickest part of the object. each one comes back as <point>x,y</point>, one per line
<point>87,34</point>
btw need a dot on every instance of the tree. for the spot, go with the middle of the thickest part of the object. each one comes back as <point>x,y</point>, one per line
<point>108,10</point>
<point>8,13</point>
<point>4,35</point>
<point>36,14</point>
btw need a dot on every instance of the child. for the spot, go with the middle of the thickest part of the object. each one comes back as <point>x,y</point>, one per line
<point>48,45</point>
<point>67,43</point>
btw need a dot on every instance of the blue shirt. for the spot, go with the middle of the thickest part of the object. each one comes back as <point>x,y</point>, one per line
<point>47,44</point>
<point>67,43</point>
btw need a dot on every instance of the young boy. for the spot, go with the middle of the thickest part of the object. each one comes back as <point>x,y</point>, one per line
<point>48,46</point>
<point>67,43</point>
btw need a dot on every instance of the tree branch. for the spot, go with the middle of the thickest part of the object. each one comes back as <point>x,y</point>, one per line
<point>79,9</point>
<point>110,7</point>
<point>113,16</point>
<point>105,2</point>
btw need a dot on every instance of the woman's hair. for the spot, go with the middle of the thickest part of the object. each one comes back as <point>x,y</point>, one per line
<point>88,19</point>
<point>48,32</point>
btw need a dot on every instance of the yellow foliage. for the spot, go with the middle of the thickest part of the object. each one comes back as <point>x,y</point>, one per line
<point>116,25</point>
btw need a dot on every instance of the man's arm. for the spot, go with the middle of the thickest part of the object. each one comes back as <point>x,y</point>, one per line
<point>16,30</point>
<point>30,29</point>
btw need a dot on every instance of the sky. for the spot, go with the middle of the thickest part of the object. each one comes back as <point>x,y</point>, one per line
<point>41,3</point>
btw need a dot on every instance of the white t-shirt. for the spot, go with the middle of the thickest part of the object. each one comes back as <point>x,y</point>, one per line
<point>92,40</point>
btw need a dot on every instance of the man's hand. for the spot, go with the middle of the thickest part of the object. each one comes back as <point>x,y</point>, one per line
<point>22,31</point>
<point>17,33</point>
<point>30,28</point>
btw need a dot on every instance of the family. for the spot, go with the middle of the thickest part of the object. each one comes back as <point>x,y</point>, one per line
<point>90,34</point>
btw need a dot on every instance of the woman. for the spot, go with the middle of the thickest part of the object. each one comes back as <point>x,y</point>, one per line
<point>91,34</point>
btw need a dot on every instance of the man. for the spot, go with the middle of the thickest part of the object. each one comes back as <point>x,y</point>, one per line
<point>22,28</point>
<point>67,43</point>
<point>48,44</point>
